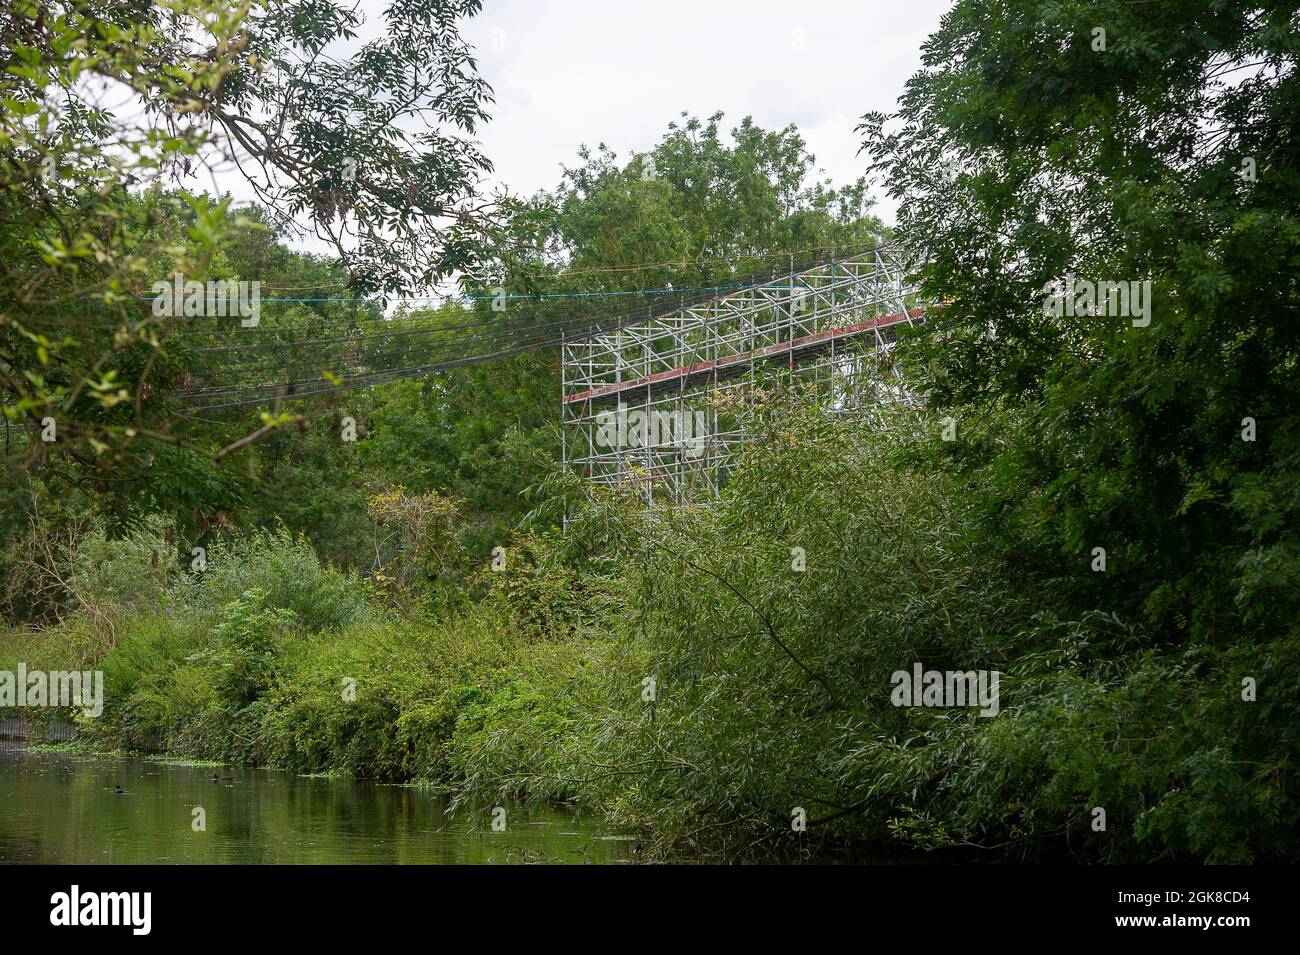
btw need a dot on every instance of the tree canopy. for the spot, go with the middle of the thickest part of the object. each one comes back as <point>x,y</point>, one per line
<point>1126,143</point>
<point>107,104</point>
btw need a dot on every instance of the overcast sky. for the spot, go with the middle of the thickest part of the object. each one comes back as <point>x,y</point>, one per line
<point>568,72</point>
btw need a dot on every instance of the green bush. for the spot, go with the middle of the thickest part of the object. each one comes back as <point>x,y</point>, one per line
<point>150,690</point>
<point>543,596</point>
<point>773,684</point>
<point>242,649</point>
<point>130,573</point>
<point>524,734</point>
<point>285,568</point>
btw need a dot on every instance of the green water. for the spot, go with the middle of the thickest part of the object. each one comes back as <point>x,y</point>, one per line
<point>61,808</point>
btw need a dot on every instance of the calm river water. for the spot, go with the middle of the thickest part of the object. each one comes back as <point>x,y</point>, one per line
<point>62,808</point>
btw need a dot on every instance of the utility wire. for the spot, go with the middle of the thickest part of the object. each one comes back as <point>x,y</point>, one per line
<point>277,364</point>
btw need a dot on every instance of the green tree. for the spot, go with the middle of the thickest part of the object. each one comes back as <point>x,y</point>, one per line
<point>81,239</point>
<point>698,208</point>
<point>1118,142</point>
<point>694,212</point>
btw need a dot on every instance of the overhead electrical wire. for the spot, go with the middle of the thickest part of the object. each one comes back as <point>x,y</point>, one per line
<point>615,269</point>
<point>489,340</point>
<point>247,372</point>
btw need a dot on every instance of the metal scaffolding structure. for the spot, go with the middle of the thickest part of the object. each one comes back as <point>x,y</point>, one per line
<point>654,402</point>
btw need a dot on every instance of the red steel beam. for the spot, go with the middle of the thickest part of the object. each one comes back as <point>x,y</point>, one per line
<point>780,348</point>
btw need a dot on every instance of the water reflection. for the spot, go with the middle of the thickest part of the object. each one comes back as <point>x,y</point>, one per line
<point>62,808</point>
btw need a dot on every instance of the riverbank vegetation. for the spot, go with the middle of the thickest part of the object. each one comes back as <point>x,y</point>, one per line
<point>1102,511</point>
<point>535,686</point>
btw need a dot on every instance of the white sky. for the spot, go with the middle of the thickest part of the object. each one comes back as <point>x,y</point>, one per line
<point>567,72</point>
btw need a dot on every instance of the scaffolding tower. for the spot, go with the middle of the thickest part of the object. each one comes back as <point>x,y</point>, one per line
<point>654,402</point>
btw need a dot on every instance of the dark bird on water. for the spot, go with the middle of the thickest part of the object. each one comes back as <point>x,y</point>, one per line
<point>118,791</point>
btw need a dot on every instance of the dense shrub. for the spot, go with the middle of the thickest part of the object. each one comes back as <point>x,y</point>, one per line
<point>545,597</point>
<point>285,568</point>
<point>772,685</point>
<point>130,573</point>
<point>705,674</point>
<point>242,648</point>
